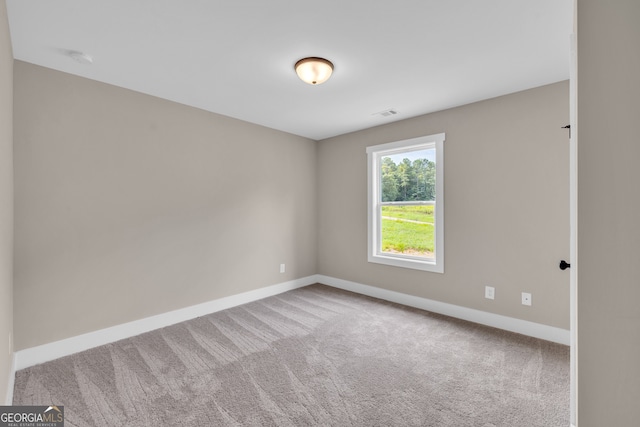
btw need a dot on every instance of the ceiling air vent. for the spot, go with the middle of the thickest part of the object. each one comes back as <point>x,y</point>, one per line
<point>386,113</point>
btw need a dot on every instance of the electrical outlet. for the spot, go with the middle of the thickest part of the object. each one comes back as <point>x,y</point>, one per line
<point>526,298</point>
<point>489,292</point>
<point>282,268</point>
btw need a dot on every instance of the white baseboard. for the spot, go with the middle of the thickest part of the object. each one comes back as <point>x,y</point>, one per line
<point>524,327</point>
<point>11,382</point>
<point>46,352</point>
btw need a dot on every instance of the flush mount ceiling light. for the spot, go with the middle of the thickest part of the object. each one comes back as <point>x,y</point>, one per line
<point>314,70</point>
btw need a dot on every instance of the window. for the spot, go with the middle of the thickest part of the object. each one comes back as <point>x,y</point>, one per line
<point>406,205</point>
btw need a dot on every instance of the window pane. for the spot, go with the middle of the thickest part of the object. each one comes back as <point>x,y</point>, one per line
<point>408,176</point>
<point>406,227</point>
<point>408,230</point>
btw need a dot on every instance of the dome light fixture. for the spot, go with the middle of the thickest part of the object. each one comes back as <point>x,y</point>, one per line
<point>314,70</point>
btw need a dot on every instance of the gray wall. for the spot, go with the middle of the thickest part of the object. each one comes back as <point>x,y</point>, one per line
<point>608,213</point>
<point>506,205</point>
<point>6,200</point>
<point>129,206</point>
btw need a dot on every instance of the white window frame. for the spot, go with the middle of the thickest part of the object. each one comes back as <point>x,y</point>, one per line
<point>374,155</point>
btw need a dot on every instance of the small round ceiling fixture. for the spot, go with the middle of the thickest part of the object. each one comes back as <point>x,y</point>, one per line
<point>80,57</point>
<point>314,70</point>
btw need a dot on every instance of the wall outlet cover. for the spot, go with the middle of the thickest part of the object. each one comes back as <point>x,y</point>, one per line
<point>489,292</point>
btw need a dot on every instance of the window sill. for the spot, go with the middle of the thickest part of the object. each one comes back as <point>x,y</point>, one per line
<point>408,262</point>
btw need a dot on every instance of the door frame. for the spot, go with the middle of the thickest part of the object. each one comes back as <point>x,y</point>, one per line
<point>573,226</point>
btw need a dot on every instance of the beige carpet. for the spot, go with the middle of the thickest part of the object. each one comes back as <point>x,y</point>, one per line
<point>312,356</point>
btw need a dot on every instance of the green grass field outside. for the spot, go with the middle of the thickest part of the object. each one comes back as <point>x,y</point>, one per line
<point>408,230</point>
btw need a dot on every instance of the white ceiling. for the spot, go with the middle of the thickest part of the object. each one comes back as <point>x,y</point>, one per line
<point>236,57</point>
